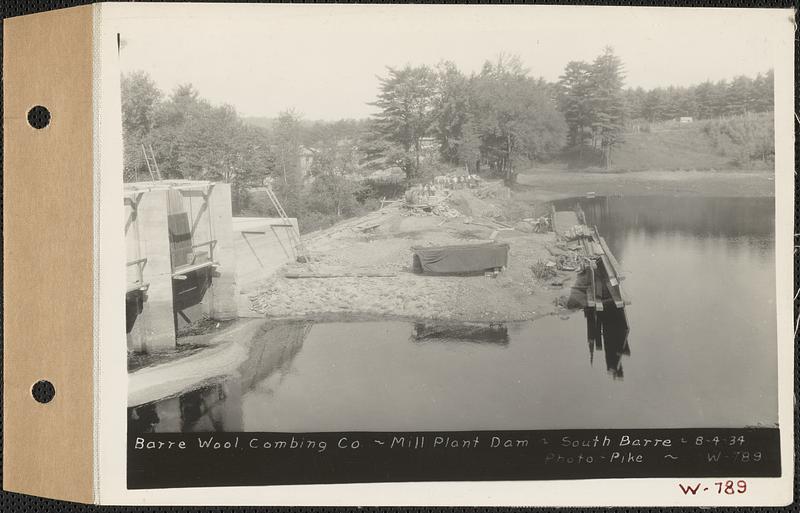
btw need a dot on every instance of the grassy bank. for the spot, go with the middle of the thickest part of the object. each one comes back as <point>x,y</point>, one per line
<point>737,143</point>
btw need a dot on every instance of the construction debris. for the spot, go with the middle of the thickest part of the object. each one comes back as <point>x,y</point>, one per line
<point>441,210</point>
<point>541,224</point>
<point>544,270</point>
<point>578,231</point>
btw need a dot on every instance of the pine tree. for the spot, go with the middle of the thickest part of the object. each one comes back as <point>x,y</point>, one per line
<point>573,93</point>
<point>406,100</point>
<point>608,108</point>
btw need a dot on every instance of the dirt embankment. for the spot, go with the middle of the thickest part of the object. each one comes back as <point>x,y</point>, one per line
<point>367,264</point>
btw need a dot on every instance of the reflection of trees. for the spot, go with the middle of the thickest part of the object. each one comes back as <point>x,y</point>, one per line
<point>494,333</point>
<point>218,406</point>
<point>272,351</point>
<point>608,331</point>
<point>693,215</point>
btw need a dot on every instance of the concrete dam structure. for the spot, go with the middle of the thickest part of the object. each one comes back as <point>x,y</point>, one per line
<point>188,258</point>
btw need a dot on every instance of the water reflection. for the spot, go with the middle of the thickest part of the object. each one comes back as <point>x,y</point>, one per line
<point>608,327</point>
<point>694,215</point>
<point>272,353</point>
<point>733,221</point>
<point>494,333</point>
<point>214,407</point>
<point>217,406</point>
<point>607,331</point>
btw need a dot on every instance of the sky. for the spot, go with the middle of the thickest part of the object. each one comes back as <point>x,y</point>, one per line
<point>324,60</point>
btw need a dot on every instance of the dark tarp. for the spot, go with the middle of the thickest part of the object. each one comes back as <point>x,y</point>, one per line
<point>465,258</point>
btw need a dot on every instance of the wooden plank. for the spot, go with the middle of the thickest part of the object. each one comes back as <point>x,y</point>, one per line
<point>616,295</point>
<point>598,291</point>
<point>590,294</point>
<point>607,266</point>
<point>186,269</point>
<point>614,264</point>
<point>587,249</point>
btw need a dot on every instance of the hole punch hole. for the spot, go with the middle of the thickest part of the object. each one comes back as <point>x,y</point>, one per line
<point>43,391</point>
<point>39,117</point>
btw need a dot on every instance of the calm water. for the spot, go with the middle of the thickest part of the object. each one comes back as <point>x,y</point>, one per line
<point>701,350</point>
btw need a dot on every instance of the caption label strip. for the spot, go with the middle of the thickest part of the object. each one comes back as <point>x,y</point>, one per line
<point>159,460</point>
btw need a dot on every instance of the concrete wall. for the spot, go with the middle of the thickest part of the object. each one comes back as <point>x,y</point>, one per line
<point>262,246</point>
<point>208,206</point>
<point>147,235</point>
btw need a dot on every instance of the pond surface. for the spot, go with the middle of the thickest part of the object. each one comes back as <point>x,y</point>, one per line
<point>701,350</point>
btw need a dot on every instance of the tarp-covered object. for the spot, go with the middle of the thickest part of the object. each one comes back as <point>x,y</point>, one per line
<point>464,258</point>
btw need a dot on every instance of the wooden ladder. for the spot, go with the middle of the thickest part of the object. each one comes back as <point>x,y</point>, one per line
<point>152,165</point>
<point>301,254</point>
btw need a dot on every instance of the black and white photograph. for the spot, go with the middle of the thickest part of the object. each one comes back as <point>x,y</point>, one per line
<point>449,243</point>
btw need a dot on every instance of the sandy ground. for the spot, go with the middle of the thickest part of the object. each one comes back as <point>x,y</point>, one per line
<point>385,248</point>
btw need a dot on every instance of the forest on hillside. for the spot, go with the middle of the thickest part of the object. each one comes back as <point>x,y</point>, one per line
<point>428,121</point>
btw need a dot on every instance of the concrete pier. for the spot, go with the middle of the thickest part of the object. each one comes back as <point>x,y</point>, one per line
<point>188,257</point>
<point>224,288</point>
<point>156,328</point>
<point>163,266</point>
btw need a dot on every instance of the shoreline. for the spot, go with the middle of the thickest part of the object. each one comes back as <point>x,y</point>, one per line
<point>546,185</point>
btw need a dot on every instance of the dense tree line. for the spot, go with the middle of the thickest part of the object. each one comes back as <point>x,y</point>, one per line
<point>708,100</point>
<point>597,108</point>
<point>193,139</point>
<point>499,119</point>
<point>190,138</point>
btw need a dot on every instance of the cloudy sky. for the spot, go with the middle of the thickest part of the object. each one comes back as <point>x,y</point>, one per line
<point>323,60</point>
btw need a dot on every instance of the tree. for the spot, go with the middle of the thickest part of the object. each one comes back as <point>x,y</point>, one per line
<point>191,138</point>
<point>574,94</point>
<point>608,108</point>
<point>634,103</point>
<point>286,135</point>
<point>515,116</point>
<point>140,101</point>
<point>468,146</point>
<point>406,101</point>
<point>763,91</point>
<point>452,112</point>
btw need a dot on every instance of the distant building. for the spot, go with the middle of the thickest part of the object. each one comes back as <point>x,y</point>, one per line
<point>685,119</point>
<point>428,143</point>
<point>428,148</point>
